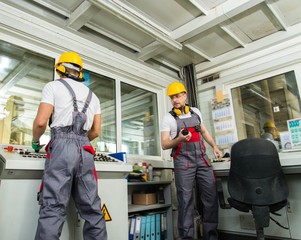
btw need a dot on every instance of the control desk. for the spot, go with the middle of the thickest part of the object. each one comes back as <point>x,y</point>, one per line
<point>21,171</point>
<point>21,162</point>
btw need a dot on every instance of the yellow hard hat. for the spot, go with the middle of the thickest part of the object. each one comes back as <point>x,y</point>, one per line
<point>70,57</point>
<point>175,88</point>
<point>269,125</point>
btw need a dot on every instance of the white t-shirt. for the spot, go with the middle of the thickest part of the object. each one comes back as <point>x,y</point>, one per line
<point>56,94</point>
<point>169,123</point>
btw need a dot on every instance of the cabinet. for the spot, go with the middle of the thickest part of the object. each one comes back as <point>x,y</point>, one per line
<point>152,187</point>
<point>20,179</point>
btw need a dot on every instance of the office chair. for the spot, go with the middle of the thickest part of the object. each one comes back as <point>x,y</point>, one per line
<point>256,181</point>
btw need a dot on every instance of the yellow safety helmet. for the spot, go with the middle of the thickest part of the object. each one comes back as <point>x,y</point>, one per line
<point>271,128</point>
<point>175,88</point>
<point>71,58</point>
<point>269,125</point>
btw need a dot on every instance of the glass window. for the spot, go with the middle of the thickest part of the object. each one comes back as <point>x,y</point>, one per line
<point>104,89</point>
<point>140,132</point>
<point>23,75</point>
<point>265,103</point>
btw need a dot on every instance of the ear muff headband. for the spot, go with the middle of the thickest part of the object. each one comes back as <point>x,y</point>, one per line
<point>179,111</point>
<point>62,70</point>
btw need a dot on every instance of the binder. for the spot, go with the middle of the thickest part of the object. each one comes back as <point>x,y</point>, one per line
<point>158,227</point>
<point>137,228</point>
<point>163,226</point>
<point>132,228</point>
<point>143,226</point>
<point>153,226</point>
<point>148,227</point>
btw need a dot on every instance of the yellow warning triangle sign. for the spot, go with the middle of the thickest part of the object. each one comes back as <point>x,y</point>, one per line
<point>106,213</point>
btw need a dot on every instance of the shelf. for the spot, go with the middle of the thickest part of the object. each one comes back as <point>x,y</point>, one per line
<point>153,187</point>
<point>132,208</point>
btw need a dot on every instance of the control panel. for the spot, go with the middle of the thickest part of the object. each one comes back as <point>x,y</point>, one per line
<point>13,152</point>
<point>17,161</point>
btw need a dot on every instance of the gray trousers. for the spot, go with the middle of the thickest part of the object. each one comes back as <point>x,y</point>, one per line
<point>69,171</point>
<point>193,166</point>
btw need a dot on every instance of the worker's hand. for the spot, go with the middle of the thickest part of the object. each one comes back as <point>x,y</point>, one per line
<point>35,145</point>
<point>217,153</point>
<point>185,135</point>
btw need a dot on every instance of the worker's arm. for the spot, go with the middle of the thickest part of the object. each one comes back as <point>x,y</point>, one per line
<point>209,139</point>
<point>41,120</point>
<point>94,132</point>
<point>168,143</point>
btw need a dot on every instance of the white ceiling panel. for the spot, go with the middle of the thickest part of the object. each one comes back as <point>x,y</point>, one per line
<point>214,42</point>
<point>257,22</point>
<point>109,24</point>
<point>289,10</point>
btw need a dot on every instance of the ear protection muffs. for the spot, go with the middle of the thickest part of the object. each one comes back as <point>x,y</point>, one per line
<point>179,111</point>
<point>61,70</point>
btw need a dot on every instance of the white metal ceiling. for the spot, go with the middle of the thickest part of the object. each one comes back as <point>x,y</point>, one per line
<point>170,33</point>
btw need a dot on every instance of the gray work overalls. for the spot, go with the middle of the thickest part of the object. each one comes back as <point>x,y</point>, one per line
<point>69,169</point>
<point>192,164</point>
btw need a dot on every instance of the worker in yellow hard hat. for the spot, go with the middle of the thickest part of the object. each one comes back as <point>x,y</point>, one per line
<point>75,115</point>
<point>269,127</point>
<point>182,131</point>
<point>70,65</point>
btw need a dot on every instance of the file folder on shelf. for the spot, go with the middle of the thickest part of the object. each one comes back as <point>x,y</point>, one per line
<point>158,227</point>
<point>163,226</point>
<point>153,227</point>
<point>143,227</point>
<point>148,227</point>
<point>137,228</point>
<point>132,228</point>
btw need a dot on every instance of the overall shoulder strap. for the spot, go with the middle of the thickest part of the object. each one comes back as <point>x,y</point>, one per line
<point>72,93</point>
<point>87,102</point>
<point>173,114</point>
<point>192,112</point>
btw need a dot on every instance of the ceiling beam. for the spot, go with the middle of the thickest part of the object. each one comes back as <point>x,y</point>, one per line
<point>150,51</point>
<point>240,37</point>
<point>54,7</point>
<point>139,21</point>
<point>200,5</point>
<point>81,15</point>
<point>271,5</point>
<point>198,51</point>
<point>167,63</point>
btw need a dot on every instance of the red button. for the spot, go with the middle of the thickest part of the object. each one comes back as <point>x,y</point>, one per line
<point>10,148</point>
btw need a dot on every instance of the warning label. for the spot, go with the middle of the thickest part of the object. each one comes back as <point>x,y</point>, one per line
<point>106,213</point>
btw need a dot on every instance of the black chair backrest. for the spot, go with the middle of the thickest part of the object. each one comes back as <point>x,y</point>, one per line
<point>256,175</point>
